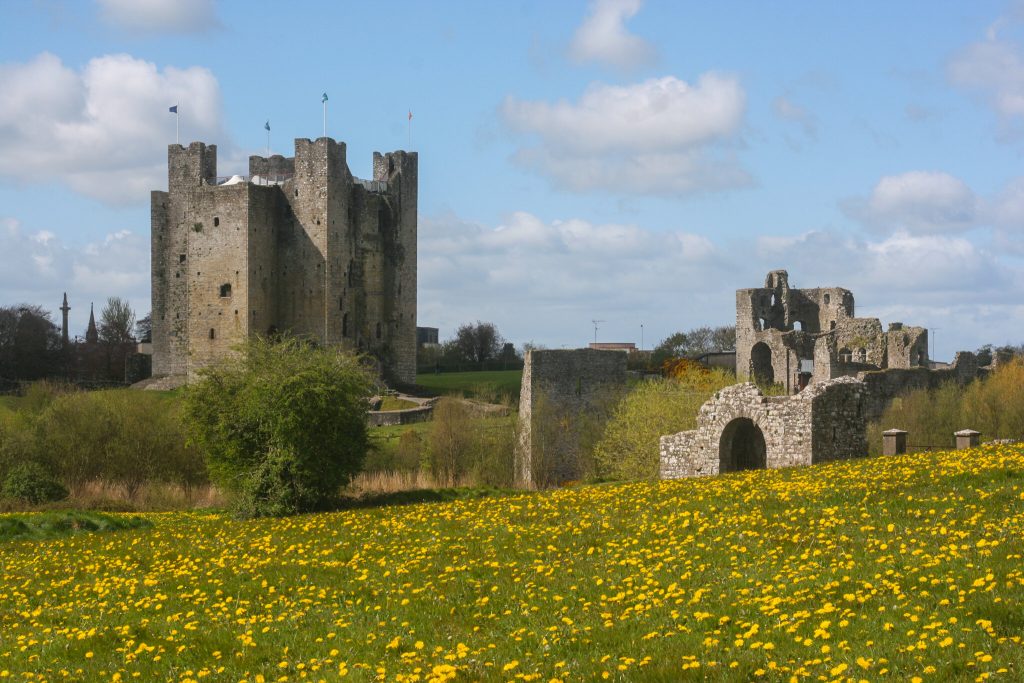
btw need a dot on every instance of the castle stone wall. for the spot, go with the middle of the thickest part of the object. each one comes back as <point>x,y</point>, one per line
<point>307,250</point>
<point>562,390</point>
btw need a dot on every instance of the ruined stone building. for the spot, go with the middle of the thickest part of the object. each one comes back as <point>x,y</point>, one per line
<point>740,429</point>
<point>797,336</point>
<point>299,245</point>
<point>840,373</point>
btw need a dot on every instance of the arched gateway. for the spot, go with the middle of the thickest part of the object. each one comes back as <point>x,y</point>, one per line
<point>741,429</point>
<point>741,447</point>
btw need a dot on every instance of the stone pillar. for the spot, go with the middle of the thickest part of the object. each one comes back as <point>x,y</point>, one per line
<point>894,442</point>
<point>967,438</point>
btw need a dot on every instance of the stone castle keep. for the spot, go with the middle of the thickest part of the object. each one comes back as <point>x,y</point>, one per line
<point>300,245</point>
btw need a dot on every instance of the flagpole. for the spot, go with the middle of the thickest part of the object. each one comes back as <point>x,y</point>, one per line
<point>176,124</point>
<point>410,129</point>
<point>325,117</point>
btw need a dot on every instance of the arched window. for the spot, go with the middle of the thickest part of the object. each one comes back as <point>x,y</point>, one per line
<point>225,290</point>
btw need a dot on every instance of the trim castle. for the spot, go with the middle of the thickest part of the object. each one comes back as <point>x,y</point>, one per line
<point>301,245</point>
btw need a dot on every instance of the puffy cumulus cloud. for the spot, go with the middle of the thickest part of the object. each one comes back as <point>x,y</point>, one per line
<point>919,202</point>
<point>1006,213</point>
<point>37,267</point>
<point>162,16</point>
<point>603,37</point>
<point>937,281</point>
<point>993,69</point>
<point>662,136</point>
<point>101,130</point>
<point>546,280</point>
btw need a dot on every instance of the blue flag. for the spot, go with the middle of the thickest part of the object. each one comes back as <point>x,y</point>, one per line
<point>267,124</point>
<point>324,98</point>
<point>174,109</point>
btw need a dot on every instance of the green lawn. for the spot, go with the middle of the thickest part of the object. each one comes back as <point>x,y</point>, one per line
<point>488,385</point>
<point>891,568</point>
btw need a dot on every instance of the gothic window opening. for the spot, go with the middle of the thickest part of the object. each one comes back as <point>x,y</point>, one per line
<point>213,334</point>
<point>225,292</point>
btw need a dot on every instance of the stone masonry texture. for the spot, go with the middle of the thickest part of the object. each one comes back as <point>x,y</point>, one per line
<point>300,246</point>
<point>824,422</point>
<point>561,391</point>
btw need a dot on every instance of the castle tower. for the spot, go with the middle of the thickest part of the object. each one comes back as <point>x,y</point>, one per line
<point>91,335</point>
<point>301,246</point>
<point>64,320</point>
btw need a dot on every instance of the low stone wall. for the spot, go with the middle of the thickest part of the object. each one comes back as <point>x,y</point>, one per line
<point>387,418</point>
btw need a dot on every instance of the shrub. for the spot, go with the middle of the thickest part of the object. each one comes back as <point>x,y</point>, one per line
<point>629,447</point>
<point>463,446</point>
<point>32,483</point>
<point>993,406</point>
<point>122,436</point>
<point>283,424</point>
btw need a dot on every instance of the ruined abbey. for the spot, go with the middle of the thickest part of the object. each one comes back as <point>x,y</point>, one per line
<point>839,373</point>
<point>300,245</point>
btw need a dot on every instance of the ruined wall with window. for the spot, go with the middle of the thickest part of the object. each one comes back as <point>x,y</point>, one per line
<point>300,245</point>
<point>794,337</point>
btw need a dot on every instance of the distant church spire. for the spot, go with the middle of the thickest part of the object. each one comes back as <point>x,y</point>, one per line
<point>91,335</point>
<point>64,317</point>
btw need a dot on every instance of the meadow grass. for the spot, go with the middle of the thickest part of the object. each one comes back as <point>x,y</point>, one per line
<point>46,525</point>
<point>898,568</point>
<point>487,385</point>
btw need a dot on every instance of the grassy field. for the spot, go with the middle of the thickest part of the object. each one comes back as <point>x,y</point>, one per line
<point>901,568</point>
<point>490,385</point>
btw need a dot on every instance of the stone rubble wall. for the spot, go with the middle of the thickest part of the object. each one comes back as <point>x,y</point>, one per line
<point>823,422</point>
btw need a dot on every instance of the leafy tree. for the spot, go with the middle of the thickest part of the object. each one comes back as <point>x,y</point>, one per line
<point>478,342</point>
<point>283,424</point>
<point>699,340</point>
<point>144,328</point>
<point>628,448</point>
<point>29,343</point>
<point>117,320</point>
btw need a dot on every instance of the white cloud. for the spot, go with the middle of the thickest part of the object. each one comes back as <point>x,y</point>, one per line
<point>602,37</point>
<point>787,110</point>
<point>38,267</point>
<point>993,69</point>
<point>163,16</point>
<point>546,280</point>
<point>919,202</point>
<point>102,130</point>
<point>936,281</point>
<point>662,136</point>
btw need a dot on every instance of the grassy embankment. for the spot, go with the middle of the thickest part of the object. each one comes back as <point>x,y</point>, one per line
<point>886,568</point>
<point>497,385</point>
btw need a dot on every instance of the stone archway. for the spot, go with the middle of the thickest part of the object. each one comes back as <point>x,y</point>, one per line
<point>761,370</point>
<point>741,447</point>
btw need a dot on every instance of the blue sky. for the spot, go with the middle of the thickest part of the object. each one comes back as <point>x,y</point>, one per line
<point>634,162</point>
